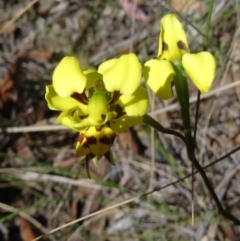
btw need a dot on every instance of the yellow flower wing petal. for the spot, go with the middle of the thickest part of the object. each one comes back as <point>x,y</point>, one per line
<point>124,122</point>
<point>92,78</point>
<point>135,104</point>
<point>55,102</point>
<point>64,119</point>
<point>73,119</point>
<point>201,69</point>
<point>172,40</point>
<point>102,68</point>
<point>158,75</point>
<point>124,75</point>
<point>68,77</point>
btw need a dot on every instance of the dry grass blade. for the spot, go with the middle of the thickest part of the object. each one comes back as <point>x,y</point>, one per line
<point>134,198</point>
<point>27,217</point>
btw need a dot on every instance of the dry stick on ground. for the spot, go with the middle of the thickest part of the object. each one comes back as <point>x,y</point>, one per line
<point>137,197</point>
<point>190,151</point>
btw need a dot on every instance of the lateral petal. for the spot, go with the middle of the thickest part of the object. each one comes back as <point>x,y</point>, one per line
<point>158,75</point>
<point>68,77</point>
<point>55,102</point>
<point>201,69</point>
<point>135,104</point>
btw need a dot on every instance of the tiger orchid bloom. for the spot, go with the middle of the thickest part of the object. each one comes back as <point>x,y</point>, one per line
<point>174,50</point>
<point>98,104</point>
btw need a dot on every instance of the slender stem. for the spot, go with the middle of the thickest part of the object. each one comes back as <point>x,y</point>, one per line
<point>180,81</point>
<point>151,122</point>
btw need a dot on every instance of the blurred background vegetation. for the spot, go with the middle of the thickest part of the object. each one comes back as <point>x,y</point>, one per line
<point>43,185</point>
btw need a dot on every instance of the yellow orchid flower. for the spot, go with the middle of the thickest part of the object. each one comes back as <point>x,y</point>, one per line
<point>98,104</point>
<point>173,50</point>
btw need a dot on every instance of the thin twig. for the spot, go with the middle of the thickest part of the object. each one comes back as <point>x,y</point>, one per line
<point>137,197</point>
<point>18,15</point>
<point>27,217</point>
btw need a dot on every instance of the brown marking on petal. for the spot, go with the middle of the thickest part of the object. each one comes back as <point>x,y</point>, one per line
<point>92,140</point>
<point>103,116</point>
<point>119,110</point>
<point>181,45</point>
<point>105,140</point>
<point>164,46</point>
<point>85,145</point>
<point>83,116</point>
<point>115,97</point>
<point>82,98</point>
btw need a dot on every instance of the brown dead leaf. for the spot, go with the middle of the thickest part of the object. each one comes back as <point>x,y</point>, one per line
<point>39,54</point>
<point>25,229</point>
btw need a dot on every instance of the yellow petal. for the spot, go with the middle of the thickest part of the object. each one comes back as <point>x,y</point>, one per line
<point>135,104</point>
<point>106,65</point>
<point>68,77</point>
<point>124,122</point>
<point>100,139</point>
<point>64,119</point>
<point>172,40</point>
<point>158,75</point>
<point>201,69</point>
<point>56,102</point>
<point>92,78</point>
<point>72,118</point>
<point>124,75</point>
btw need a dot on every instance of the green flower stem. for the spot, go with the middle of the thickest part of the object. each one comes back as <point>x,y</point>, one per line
<point>148,120</point>
<point>181,85</point>
<point>180,81</point>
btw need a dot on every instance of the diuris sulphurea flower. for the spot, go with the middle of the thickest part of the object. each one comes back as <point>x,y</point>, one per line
<point>98,104</point>
<point>174,51</point>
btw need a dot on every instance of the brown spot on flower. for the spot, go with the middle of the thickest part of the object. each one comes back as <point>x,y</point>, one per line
<point>119,110</point>
<point>115,97</point>
<point>103,116</point>
<point>164,46</point>
<point>80,97</point>
<point>91,140</point>
<point>85,145</point>
<point>105,140</point>
<point>182,45</point>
